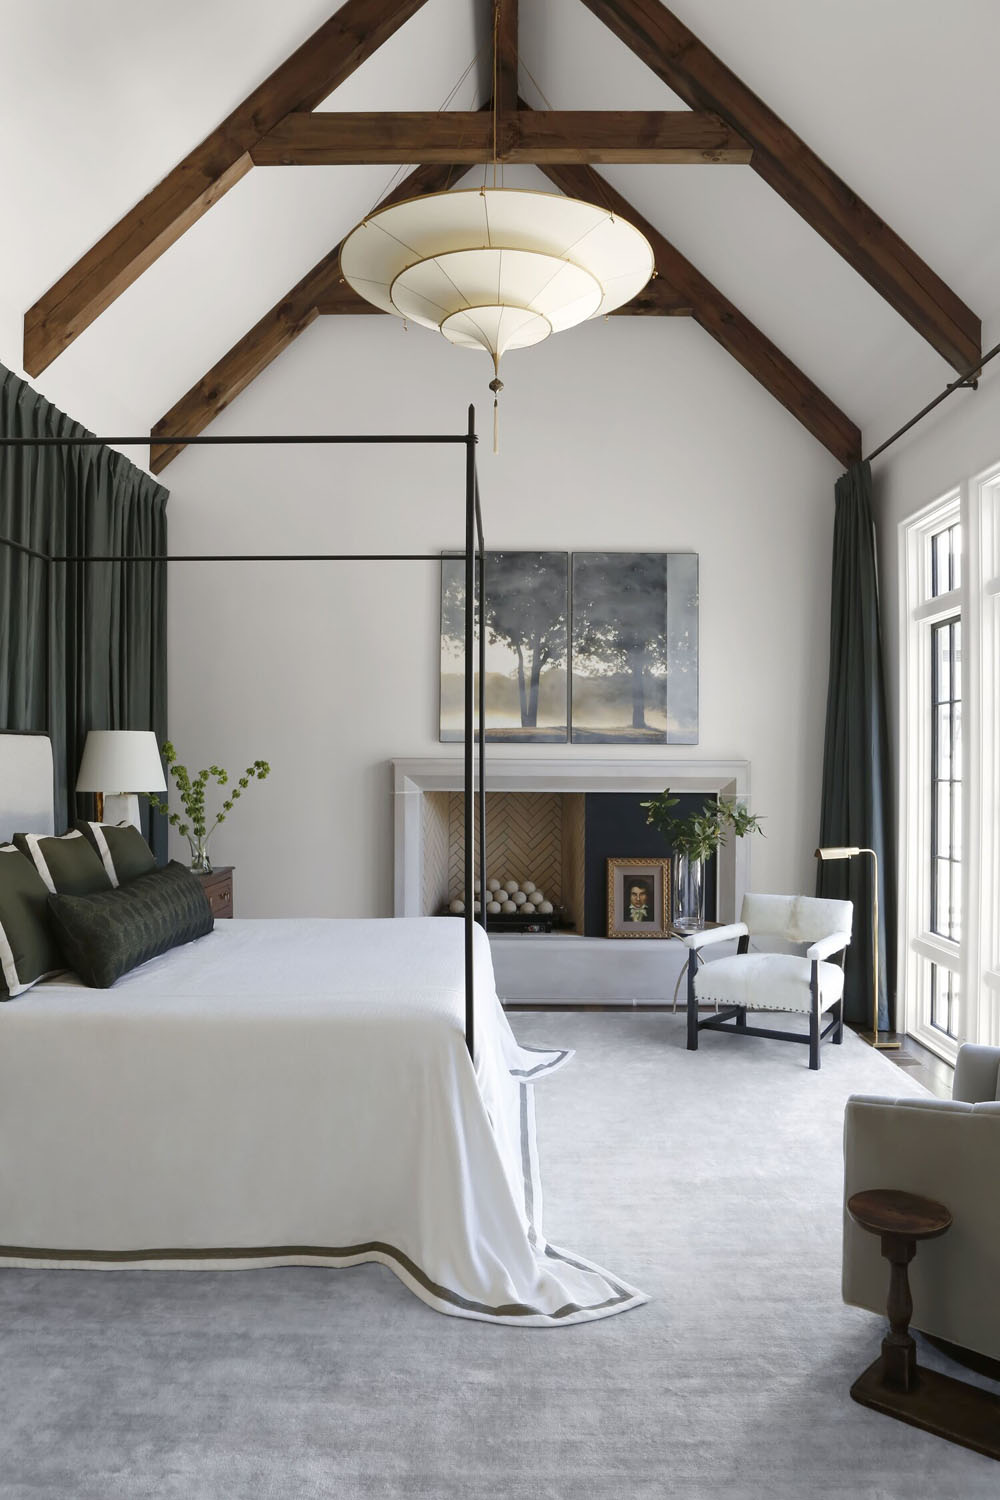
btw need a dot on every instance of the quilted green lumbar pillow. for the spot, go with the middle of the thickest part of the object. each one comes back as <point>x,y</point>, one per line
<point>28,948</point>
<point>105,935</point>
<point>66,863</point>
<point>121,849</point>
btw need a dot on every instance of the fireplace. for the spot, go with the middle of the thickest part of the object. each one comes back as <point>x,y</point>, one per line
<point>540,811</point>
<point>541,816</point>
<point>558,841</point>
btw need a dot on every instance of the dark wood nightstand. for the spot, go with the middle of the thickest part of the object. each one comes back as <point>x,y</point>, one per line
<point>218,887</point>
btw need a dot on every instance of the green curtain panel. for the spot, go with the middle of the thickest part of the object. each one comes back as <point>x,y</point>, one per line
<point>82,645</point>
<point>856,807</point>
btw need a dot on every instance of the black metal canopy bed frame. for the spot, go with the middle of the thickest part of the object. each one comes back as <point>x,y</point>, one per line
<point>475,583</point>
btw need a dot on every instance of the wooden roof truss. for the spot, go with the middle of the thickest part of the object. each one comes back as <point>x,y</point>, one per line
<point>278,124</point>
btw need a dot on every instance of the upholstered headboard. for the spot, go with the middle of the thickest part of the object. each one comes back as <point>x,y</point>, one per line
<point>26,785</point>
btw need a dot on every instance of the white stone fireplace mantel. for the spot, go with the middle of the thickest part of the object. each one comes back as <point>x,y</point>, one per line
<point>563,773</point>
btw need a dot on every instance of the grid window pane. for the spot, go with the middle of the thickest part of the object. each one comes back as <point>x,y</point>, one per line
<point>946,560</point>
<point>944,1000</point>
<point>946,770</point>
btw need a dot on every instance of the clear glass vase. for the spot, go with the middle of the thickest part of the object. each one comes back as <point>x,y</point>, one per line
<point>200,862</point>
<point>689,893</point>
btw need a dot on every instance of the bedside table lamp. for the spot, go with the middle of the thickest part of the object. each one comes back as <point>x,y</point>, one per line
<point>114,762</point>
<point>849,851</point>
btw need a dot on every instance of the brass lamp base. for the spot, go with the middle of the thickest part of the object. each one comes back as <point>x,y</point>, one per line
<point>877,1040</point>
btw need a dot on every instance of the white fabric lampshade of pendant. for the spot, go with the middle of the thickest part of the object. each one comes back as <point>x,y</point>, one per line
<point>496,268</point>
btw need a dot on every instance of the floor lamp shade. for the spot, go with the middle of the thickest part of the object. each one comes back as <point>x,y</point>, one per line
<point>118,763</point>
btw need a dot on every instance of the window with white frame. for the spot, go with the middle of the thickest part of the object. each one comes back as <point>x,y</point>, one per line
<point>950,761</point>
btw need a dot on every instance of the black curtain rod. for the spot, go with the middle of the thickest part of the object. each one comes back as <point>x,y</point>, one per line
<point>965,382</point>
<point>152,440</point>
<point>213,557</point>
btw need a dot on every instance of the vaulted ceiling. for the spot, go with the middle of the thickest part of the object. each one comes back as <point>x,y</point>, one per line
<point>817,182</point>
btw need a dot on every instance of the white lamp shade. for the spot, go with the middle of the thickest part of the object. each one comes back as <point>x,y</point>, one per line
<point>121,760</point>
<point>496,268</point>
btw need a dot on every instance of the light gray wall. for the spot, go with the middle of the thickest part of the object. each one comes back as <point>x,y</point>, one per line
<point>630,434</point>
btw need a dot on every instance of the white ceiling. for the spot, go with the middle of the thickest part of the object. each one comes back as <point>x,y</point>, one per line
<point>898,96</point>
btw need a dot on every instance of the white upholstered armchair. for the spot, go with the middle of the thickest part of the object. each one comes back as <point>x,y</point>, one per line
<point>810,985</point>
<point>948,1150</point>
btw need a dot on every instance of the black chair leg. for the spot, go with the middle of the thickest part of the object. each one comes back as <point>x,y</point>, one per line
<point>692,1006</point>
<point>838,1030</point>
<point>741,1020</point>
<point>814,1017</point>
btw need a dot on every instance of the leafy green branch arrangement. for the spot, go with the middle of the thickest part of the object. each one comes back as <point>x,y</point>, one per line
<point>197,829</point>
<point>700,833</point>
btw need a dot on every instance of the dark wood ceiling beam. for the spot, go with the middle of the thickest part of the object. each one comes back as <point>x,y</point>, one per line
<point>658,299</point>
<point>338,138</point>
<point>719,317</point>
<point>304,80</point>
<point>320,289</point>
<point>505,59</point>
<point>806,183</point>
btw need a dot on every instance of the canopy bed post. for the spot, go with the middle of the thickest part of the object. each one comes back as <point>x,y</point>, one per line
<point>469,743</point>
<point>481,554</point>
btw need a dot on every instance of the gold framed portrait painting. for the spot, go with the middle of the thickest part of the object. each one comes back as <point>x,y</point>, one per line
<point>638,898</point>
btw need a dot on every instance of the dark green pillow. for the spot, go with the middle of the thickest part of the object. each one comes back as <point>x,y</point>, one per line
<point>28,949</point>
<point>105,935</point>
<point>66,863</point>
<point>121,849</point>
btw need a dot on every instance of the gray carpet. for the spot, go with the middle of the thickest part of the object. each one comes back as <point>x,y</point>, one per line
<point>716,1189</point>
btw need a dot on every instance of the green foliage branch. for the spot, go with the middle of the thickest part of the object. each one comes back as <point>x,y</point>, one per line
<point>192,794</point>
<point>702,832</point>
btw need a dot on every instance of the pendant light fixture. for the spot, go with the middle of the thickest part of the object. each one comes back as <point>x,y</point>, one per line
<point>496,268</point>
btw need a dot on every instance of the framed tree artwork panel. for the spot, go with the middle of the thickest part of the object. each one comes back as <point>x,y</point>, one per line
<point>527,647</point>
<point>634,645</point>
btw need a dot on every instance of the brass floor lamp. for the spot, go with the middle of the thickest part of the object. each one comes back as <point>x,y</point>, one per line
<point>848,852</point>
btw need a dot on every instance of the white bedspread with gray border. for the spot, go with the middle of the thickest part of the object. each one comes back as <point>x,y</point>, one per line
<point>289,1092</point>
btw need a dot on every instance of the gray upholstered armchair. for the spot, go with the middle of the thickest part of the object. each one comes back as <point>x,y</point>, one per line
<point>948,1150</point>
<point>809,984</point>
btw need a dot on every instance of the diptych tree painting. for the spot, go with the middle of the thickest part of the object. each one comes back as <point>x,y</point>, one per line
<point>527,641</point>
<point>634,673</point>
<point>603,651</point>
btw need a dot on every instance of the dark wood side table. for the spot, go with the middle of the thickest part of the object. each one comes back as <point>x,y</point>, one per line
<point>218,887</point>
<point>895,1384</point>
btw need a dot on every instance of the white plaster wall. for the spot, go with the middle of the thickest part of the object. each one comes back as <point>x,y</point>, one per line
<point>630,434</point>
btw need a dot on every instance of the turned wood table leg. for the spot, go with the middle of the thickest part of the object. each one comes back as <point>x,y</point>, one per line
<point>899,1352</point>
<point>894,1384</point>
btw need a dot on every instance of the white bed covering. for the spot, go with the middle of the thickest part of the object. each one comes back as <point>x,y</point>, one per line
<point>289,1092</point>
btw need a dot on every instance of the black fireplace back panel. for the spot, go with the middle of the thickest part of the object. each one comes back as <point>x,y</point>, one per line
<point>615,828</point>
